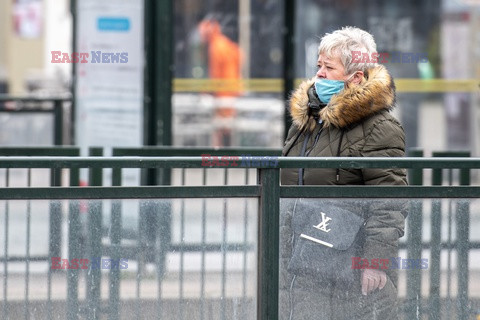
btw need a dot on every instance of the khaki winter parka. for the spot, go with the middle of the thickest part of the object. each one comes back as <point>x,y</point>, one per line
<point>356,123</point>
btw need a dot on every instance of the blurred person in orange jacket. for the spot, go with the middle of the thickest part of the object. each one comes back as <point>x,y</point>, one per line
<point>224,62</point>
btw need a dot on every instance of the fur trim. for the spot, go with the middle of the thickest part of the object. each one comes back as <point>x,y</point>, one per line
<point>299,106</point>
<point>375,93</point>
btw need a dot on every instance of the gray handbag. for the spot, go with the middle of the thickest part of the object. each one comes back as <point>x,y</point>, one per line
<point>326,238</point>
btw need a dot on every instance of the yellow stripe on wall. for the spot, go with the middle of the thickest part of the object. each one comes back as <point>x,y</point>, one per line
<point>437,85</point>
<point>275,85</point>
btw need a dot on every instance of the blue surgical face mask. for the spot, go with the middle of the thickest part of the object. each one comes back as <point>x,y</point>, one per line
<point>326,88</point>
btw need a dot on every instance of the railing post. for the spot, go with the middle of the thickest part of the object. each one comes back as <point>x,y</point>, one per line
<point>414,245</point>
<point>268,244</point>
<point>463,247</point>
<point>94,275</point>
<point>115,242</point>
<point>74,250</point>
<point>55,219</point>
<point>58,120</point>
<point>5,303</point>
<point>435,244</point>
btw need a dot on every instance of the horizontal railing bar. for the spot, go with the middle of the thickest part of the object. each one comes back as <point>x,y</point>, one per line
<point>196,162</point>
<point>128,251</point>
<point>139,192</point>
<point>443,245</point>
<point>209,247</point>
<point>363,191</point>
<point>164,151</point>
<point>4,98</point>
<point>64,151</point>
<point>212,247</point>
<point>23,259</point>
<point>26,110</point>
<point>162,192</point>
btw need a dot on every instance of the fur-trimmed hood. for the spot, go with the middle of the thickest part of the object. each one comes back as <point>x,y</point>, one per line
<point>375,93</point>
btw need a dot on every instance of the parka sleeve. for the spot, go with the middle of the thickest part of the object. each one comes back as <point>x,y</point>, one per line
<point>385,222</point>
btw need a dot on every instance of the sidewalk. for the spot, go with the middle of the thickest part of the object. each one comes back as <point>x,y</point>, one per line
<point>173,303</point>
<point>191,286</point>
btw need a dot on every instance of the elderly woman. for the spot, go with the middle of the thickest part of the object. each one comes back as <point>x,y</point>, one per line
<point>344,111</point>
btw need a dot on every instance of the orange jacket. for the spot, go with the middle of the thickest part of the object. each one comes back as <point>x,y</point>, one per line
<point>224,55</point>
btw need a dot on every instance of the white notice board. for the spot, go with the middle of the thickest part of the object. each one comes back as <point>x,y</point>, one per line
<point>109,82</point>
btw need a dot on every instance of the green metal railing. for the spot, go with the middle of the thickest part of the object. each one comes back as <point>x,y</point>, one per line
<point>413,304</point>
<point>55,181</point>
<point>149,215</point>
<point>55,217</point>
<point>268,191</point>
<point>462,223</point>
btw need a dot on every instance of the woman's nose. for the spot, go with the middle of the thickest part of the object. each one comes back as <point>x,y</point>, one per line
<point>321,73</point>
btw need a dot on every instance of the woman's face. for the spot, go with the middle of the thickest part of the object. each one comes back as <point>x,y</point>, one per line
<point>330,68</point>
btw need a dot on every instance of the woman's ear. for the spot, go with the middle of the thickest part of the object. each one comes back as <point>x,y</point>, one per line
<point>357,77</point>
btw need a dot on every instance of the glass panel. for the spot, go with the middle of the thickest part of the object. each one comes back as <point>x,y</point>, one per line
<point>177,258</point>
<point>442,270</point>
<point>228,60</point>
<point>432,40</point>
<point>23,129</point>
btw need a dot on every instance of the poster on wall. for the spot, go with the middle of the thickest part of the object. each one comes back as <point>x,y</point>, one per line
<point>109,75</point>
<point>27,18</point>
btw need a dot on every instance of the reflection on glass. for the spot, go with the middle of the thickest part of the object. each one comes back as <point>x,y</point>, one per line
<point>438,269</point>
<point>174,257</point>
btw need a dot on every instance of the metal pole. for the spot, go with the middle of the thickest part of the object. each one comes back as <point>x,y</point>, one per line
<point>158,72</point>
<point>74,251</point>
<point>58,120</point>
<point>289,58</point>
<point>94,224</point>
<point>244,8</point>
<point>463,231</point>
<point>414,245</point>
<point>73,10</point>
<point>115,243</point>
<point>435,241</point>
<point>158,76</point>
<point>268,244</point>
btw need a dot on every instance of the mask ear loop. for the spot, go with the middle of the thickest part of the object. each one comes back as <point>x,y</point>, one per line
<point>348,79</point>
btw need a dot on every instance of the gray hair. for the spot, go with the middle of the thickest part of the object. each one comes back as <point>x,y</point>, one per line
<point>343,41</point>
